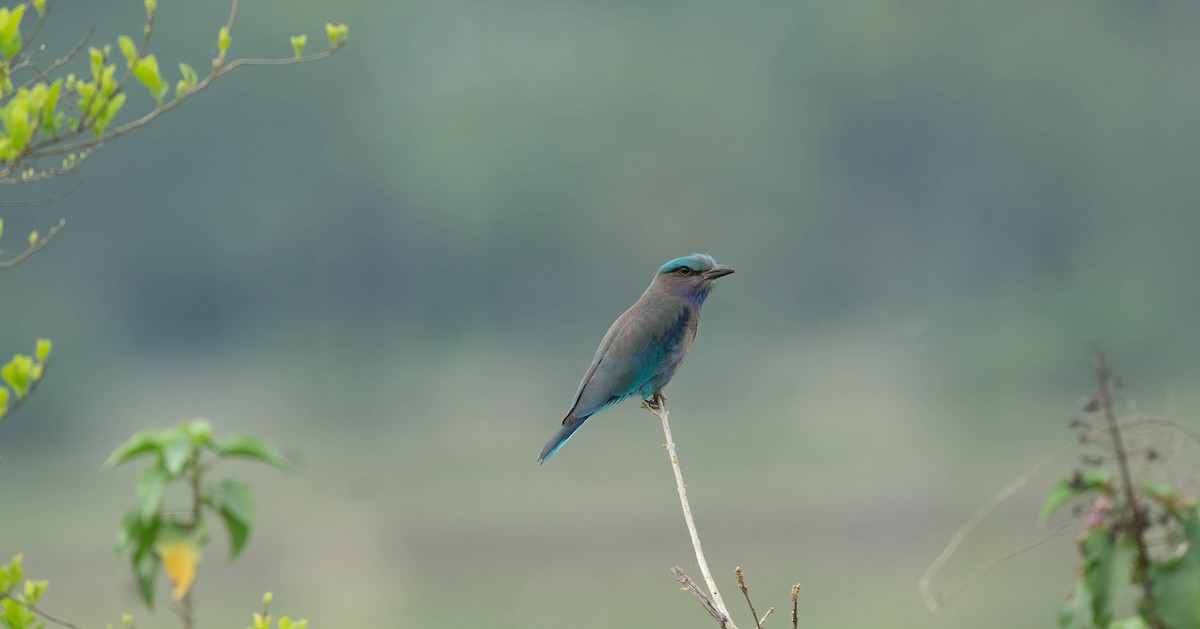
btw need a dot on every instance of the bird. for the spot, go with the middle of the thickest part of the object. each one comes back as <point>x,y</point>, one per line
<point>645,345</point>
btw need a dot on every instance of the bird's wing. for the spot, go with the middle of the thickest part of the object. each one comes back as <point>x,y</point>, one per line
<point>627,357</point>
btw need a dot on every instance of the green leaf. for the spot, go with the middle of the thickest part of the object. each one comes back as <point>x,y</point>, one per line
<point>16,615</point>
<point>147,72</point>
<point>298,43</point>
<point>242,445</point>
<point>176,452</point>
<point>11,574</point>
<point>189,75</point>
<point>237,510</point>
<point>1106,563</point>
<point>1165,495</point>
<point>128,49</point>
<point>142,442</point>
<point>17,374</point>
<point>200,431</point>
<point>3,402</point>
<point>1077,613</point>
<point>1137,622</point>
<point>223,40</point>
<point>145,569</point>
<point>1072,487</point>
<point>1176,582</point>
<point>130,530</point>
<point>139,537</point>
<point>337,33</point>
<point>150,485</point>
<point>10,30</point>
<point>43,350</point>
<point>97,58</point>
<point>331,31</point>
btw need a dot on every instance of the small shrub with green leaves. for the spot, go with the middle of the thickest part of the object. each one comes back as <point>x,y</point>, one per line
<point>156,538</point>
<point>1122,511</point>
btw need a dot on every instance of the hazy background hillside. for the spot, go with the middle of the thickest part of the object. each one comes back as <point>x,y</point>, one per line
<point>397,263</point>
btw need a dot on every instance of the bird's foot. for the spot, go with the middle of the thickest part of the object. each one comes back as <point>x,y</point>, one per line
<point>656,403</point>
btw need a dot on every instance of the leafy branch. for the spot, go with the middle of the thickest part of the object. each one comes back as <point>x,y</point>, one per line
<point>22,374</point>
<point>71,117</point>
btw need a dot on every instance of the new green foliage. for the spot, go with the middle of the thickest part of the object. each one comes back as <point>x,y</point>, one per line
<point>1108,551</point>
<point>1177,579</point>
<point>153,537</point>
<point>1068,489</point>
<point>22,374</point>
<point>1115,547</point>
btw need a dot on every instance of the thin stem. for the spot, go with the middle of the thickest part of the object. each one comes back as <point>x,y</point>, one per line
<point>58,621</point>
<point>741,581</point>
<point>1138,525</point>
<point>8,263</point>
<point>705,602</point>
<point>186,611</point>
<point>795,606</point>
<point>50,148</point>
<point>659,408</point>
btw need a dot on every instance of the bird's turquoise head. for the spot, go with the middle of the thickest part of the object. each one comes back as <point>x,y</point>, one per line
<point>691,276</point>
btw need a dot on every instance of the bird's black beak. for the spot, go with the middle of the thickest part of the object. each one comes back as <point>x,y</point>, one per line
<point>719,270</point>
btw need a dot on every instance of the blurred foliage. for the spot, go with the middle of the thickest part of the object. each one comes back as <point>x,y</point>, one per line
<point>17,610</point>
<point>1123,509</point>
<point>1108,552</point>
<point>263,620</point>
<point>14,613</point>
<point>155,537</point>
<point>22,375</point>
<point>72,116</point>
<point>47,117</point>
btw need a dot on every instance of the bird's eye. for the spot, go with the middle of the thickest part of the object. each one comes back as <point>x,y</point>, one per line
<point>683,270</point>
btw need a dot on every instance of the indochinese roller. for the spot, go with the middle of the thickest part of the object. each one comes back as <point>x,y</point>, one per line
<point>644,346</point>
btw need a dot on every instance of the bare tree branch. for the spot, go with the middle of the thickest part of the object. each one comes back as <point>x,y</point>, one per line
<point>690,585</point>
<point>658,406</point>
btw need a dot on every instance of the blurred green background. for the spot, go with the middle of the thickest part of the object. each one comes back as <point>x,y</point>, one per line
<point>397,263</point>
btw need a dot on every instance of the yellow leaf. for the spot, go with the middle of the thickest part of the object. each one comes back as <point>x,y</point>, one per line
<point>180,559</point>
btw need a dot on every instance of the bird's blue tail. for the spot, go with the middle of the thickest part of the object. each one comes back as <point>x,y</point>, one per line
<point>560,438</point>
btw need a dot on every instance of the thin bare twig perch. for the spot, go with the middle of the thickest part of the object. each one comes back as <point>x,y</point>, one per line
<point>741,581</point>
<point>795,605</point>
<point>716,606</point>
<point>690,585</point>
